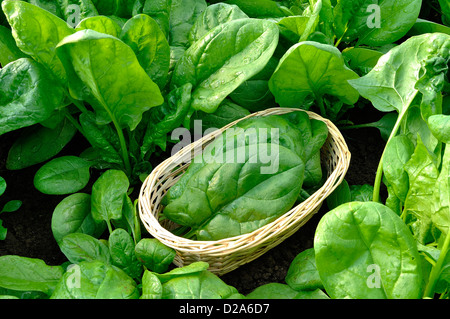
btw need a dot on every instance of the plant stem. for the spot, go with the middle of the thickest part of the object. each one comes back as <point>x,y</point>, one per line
<point>356,126</point>
<point>123,146</point>
<point>79,105</point>
<point>342,37</point>
<point>74,122</point>
<point>437,268</point>
<point>379,175</point>
<point>321,105</point>
<point>108,223</point>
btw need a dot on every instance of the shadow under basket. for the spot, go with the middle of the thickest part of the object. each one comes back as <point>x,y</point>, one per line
<point>228,254</point>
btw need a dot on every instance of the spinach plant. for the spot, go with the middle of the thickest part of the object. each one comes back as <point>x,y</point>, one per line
<point>365,249</point>
<point>122,75</point>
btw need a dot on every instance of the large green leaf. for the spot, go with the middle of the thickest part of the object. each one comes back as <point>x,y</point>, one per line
<point>193,282</point>
<point>213,16</point>
<point>95,280</point>
<point>229,191</point>
<point>8,49</point>
<point>419,206</point>
<point>28,94</point>
<point>38,144</point>
<point>37,32</point>
<point>121,247</point>
<point>154,255</point>
<point>28,274</point>
<point>110,71</point>
<point>222,60</point>
<point>364,250</point>
<point>79,247</point>
<point>183,14</point>
<point>391,85</point>
<point>145,37</point>
<point>311,70</point>
<point>441,195</point>
<point>375,23</point>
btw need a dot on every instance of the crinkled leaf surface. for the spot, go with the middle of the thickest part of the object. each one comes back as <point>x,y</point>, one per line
<point>28,94</point>
<point>110,71</point>
<point>223,59</point>
<point>364,250</point>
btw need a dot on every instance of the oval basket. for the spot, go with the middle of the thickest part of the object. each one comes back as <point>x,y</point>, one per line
<point>228,254</point>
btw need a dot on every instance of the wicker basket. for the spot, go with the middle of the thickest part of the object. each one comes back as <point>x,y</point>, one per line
<point>228,254</point>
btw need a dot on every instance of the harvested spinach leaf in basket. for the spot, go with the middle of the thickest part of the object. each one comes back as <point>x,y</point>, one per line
<point>248,176</point>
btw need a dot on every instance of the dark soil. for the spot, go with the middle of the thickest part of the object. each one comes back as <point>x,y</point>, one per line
<point>29,229</point>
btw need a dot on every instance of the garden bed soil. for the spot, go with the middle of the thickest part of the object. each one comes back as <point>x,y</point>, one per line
<point>29,229</point>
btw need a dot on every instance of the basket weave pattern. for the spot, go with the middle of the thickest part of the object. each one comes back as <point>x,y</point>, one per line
<point>228,254</point>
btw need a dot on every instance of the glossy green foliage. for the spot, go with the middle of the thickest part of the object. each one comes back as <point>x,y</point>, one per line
<point>95,280</point>
<point>189,282</point>
<point>37,32</point>
<point>121,93</point>
<point>402,62</point>
<point>247,191</point>
<point>152,50</point>
<point>154,255</point>
<point>371,241</point>
<point>219,62</point>
<point>37,144</point>
<point>372,23</point>
<point>9,51</point>
<point>309,70</point>
<point>108,195</point>
<point>302,273</point>
<point>73,215</point>
<point>28,274</point>
<point>63,175</point>
<point>28,95</point>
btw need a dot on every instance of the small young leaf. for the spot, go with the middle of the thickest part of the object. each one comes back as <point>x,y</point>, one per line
<point>154,255</point>
<point>73,215</point>
<point>121,248</point>
<point>302,273</point>
<point>100,24</point>
<point>2,185</point>
<point>11,206</point>
<point>108,194</point>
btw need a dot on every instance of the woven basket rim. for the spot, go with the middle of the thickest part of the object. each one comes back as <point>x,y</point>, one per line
<point>244,241</point>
